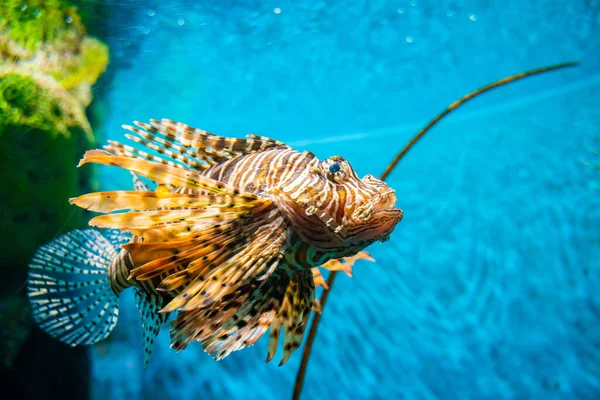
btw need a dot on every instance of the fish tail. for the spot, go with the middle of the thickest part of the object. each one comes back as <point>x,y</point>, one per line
<point>69,287</point>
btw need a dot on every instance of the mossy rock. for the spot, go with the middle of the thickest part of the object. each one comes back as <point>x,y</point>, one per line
<point>24,102</point>
<point>32,23</point>
<point>85,66</point>
<point>47,37</point>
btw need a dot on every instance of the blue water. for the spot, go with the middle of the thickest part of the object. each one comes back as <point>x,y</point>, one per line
<point>489,287</point>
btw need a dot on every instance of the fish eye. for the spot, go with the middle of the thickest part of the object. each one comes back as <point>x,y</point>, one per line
<point>336,168</point>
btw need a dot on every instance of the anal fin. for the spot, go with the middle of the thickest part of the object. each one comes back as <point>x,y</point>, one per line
<point>152,321</point>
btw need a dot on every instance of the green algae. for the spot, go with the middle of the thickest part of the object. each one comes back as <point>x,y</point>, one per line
<point>46,55</point>
<point>84,67</point>
<point>31,23</point>
<point>23,102</point>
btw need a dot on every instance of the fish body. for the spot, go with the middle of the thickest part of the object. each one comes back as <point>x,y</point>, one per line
<point>230,236</point>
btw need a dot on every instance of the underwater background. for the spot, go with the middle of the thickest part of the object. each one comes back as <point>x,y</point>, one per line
<point>488,288</point>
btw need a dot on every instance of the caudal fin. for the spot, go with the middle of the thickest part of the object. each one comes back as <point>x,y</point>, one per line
<point>69,289</point>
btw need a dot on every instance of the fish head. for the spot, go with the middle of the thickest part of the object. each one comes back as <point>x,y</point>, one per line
<point>339,213</point>
<point>363,209</point>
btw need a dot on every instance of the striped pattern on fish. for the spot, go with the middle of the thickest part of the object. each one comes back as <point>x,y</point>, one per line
<point>230,234</point>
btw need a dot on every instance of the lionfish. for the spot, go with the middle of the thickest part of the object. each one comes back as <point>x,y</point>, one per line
<point>229,240</point>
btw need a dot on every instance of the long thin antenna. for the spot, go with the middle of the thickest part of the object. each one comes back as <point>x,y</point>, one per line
<point>462,101</point>
<point>313,329</point>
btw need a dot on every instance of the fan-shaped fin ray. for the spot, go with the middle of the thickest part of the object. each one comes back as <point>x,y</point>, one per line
<point>221,264</point>
<point>159,173</point>
<point>181,146</point>
<point>237,321</point>
<point>106,202</point>
<point>69,288</point>
<point>293,315</point>
<point>196,138</point>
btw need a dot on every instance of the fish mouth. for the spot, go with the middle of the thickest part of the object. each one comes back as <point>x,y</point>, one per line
<point>385,200</point>
<point>382,223</point>
<point>390,215</point>
<point>385,215</point>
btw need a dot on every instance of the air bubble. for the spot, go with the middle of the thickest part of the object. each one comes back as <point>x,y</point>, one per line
<point>277,10</point>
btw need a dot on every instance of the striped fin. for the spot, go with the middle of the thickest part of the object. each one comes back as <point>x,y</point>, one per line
<point>154,256</point>
<point>191,325</point>
<point>235,322</point>
<point>345,264</point>
<point>223,261</point>
<point>116,238</point>
<point>106,202</point>
<point>220,263</point>
<point>317,306</point>
<point>178,145</point>
<point>123,150</point>
<point>138,185</point>
<point>293,315</point>
<point>69,288</point>
<point>149,219</point>
<point>152,321</point>
<point>179,224</point>
<point>318,278</point>
<point>159,173</point>
<point>189,136</point>
<point>187,230</point>
<point>150,137</point>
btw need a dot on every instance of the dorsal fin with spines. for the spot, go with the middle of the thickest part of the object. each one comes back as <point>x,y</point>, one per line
<point>182,146</point>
